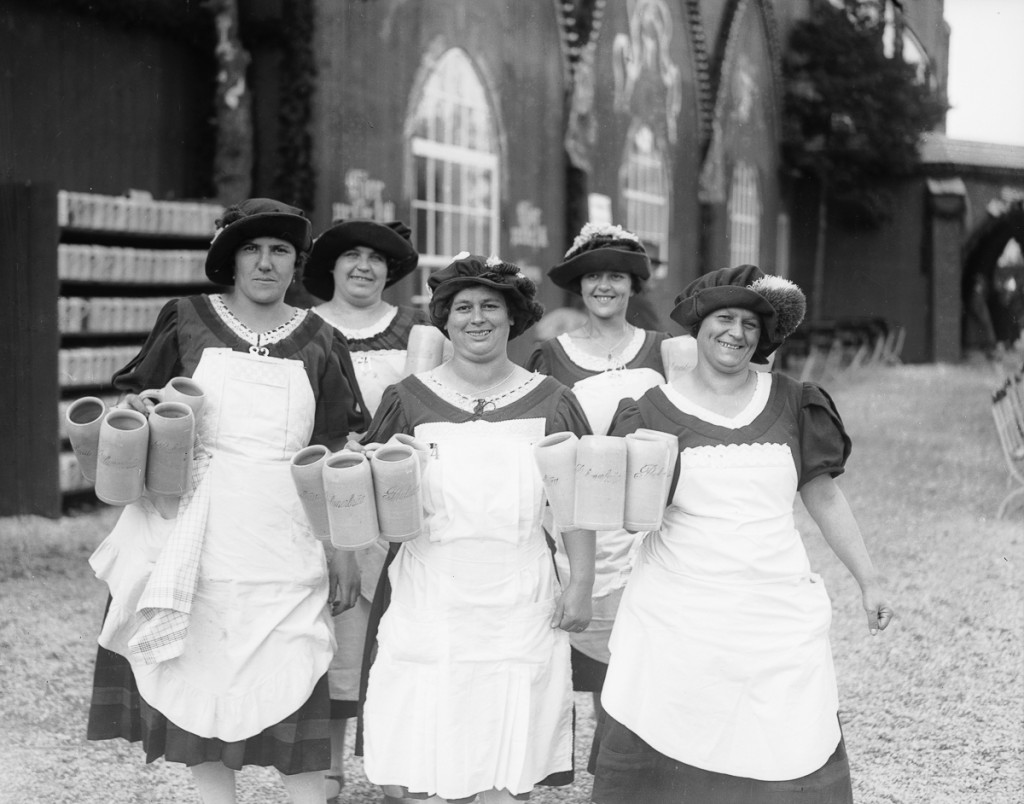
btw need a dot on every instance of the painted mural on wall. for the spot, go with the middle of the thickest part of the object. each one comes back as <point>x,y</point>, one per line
<point>646,77</point>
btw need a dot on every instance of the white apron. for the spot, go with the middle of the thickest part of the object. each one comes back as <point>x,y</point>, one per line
<point>260,636</point>
<point>720,651</point>
<point>471,687</point>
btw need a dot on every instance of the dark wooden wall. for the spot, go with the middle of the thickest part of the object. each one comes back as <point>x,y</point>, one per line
<point>28,350</point>
<point>100,105</point>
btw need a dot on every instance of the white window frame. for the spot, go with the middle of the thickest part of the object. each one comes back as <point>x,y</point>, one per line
<point>744,216</point>
<point>437,239</point>
<point>646,195</point>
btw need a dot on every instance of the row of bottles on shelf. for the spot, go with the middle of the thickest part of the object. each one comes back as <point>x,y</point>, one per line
<point>136,212</point>
<point>91,263</point>
<point>91,365</point>
<point>108,314</point>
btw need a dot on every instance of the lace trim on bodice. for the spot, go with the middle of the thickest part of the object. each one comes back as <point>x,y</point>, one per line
<point>589,362</point>
<point>730,455</point>
<point>256,340</point>
<point>473,404</point>
<point>365,333</point>
<point>742,419</point>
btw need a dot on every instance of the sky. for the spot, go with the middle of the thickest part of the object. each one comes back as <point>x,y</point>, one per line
<point>986,70</point>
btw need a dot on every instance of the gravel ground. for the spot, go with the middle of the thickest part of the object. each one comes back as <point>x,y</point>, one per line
<point>933,709</point>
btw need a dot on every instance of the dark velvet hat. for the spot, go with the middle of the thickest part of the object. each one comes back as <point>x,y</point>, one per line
<point>255,217</point>
<point>390,239</point>
<point>470,269</point>
<point>779,303</point>
<point>599,248</point>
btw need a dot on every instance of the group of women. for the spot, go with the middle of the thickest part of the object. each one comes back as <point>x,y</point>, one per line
<point>234,637</point>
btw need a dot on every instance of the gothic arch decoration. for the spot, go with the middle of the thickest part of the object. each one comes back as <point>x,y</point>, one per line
<point>736,65</point>
<point>1003,223</point>
<point>580,26</point>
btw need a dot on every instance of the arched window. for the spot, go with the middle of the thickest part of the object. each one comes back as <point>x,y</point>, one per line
<point>744,216</point>
<point>645,191</point>
<point>454,165</point>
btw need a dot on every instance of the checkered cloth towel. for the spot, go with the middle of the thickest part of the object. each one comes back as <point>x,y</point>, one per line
<point>166,602</point>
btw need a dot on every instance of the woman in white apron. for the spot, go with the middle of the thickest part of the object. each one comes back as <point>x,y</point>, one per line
<point>470,695</point>
<point>217,637</point>
<point>720,686</point>
<point>350,265</point>
<point>604,361</point>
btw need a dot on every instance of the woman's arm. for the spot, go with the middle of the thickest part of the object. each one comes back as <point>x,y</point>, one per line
<point>830,509</point>
<point>573,611</point>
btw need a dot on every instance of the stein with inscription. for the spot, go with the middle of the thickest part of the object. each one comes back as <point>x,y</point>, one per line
<point>82,424</point>
<point>172,432</point>
<point>121,457</point>
<point>351,512</point>
<point>178,389</point>
<point>425,349</point>
<point>307,468</point>
<point>556,459</point>
<point>396,486</point>
<point>647,478</point>
<point>600,483</point>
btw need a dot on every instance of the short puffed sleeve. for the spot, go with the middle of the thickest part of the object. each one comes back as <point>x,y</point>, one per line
<point>627,418</point>
<point>538,361</point>
<point>340,409</point>
<point>389,419</point>
<point>569,416</point>
<point>159,360</point>
<point>824,444</point>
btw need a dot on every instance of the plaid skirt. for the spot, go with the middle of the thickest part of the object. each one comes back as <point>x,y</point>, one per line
<point>298,744</point>
<point>628,770</point>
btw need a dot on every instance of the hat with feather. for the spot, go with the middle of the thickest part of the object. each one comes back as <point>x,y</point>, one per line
<point>779,303</point>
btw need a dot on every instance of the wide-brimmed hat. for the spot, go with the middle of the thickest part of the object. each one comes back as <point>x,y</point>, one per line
<point>779,303</point>
<point>390,239</point>
<point>467,270</point>
<point>255,217</point>
<point>599,248</point>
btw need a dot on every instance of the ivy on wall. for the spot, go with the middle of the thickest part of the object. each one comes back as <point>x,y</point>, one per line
<point>295,179</point>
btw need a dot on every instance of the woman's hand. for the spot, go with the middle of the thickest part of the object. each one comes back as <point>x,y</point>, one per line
<point>573,609</point>
<point>365,449</point>
<point>137,403</point>
<point>343,581</point>
<point>876,605</point>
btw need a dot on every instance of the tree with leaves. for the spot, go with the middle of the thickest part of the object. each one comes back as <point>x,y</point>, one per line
<point>854,114</point>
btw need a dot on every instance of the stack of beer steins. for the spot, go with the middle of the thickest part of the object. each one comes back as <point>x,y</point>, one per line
<point>126,454</point>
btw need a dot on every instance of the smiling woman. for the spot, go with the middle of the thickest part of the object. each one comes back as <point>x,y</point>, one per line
<point>476,614</point>
<point>351,264</point>
<point>721,683</point>
<point>604,361</point>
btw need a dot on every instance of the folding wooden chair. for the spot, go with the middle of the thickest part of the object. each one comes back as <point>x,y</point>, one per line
<point>1008,412</point>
